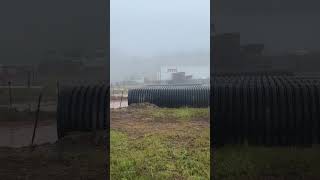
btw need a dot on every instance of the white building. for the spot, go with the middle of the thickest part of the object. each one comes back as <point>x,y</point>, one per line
<point>197,72</point>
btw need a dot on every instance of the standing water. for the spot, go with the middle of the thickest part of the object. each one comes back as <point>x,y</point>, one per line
<point>19,134</point>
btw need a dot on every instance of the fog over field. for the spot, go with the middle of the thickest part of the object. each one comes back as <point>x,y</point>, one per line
<point>31,28</point>
<point>146,34</point>
<point>282,25</point>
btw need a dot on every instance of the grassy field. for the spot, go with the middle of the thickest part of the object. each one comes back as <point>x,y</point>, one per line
<point>154,143</point>
<point>243,162</point>
<point>160,143</point>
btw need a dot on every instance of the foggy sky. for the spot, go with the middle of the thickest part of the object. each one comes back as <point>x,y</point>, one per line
<point>30,28</point>
<point>157,30</point>
<point>282,25</point>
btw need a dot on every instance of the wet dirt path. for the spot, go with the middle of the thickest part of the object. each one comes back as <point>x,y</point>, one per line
<point>19,134</point>
<point>115,104</point>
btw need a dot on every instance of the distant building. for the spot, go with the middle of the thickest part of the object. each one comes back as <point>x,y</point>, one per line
<point>190,72</point>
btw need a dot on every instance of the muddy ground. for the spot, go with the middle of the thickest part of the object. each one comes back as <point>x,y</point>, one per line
<point>138,120</point>
<point>16,127</point>
<point>147,142</point>
<point>115,104</point>
<point>78,156</point>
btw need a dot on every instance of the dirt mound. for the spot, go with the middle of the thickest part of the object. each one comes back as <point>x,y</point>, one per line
<point>142,105</point>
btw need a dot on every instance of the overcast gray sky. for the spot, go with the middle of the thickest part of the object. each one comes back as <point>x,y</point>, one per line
<point>143,30</point>
<point>148,27</point>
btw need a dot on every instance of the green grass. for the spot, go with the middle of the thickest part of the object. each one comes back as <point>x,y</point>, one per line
<point>156,156</point>
<point>186,154</point>
<point>234,162</point>
<point>162,153</point>
<point>180,113</point>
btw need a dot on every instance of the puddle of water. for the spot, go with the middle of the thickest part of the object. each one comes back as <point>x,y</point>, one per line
<point>114,104</point>
<point>21,135</point>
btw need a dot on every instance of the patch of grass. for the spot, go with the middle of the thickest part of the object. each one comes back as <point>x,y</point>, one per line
<point>158,156</point>
<point>234,162</point>
<point>181,113</point>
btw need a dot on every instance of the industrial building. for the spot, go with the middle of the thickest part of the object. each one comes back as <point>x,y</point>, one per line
<point>183,73</point>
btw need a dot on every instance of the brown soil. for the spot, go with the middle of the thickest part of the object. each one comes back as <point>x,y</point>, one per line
<point>76,157</point>
<point>137,120</point>
<point>82,156</point>
<point>16,128</point>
